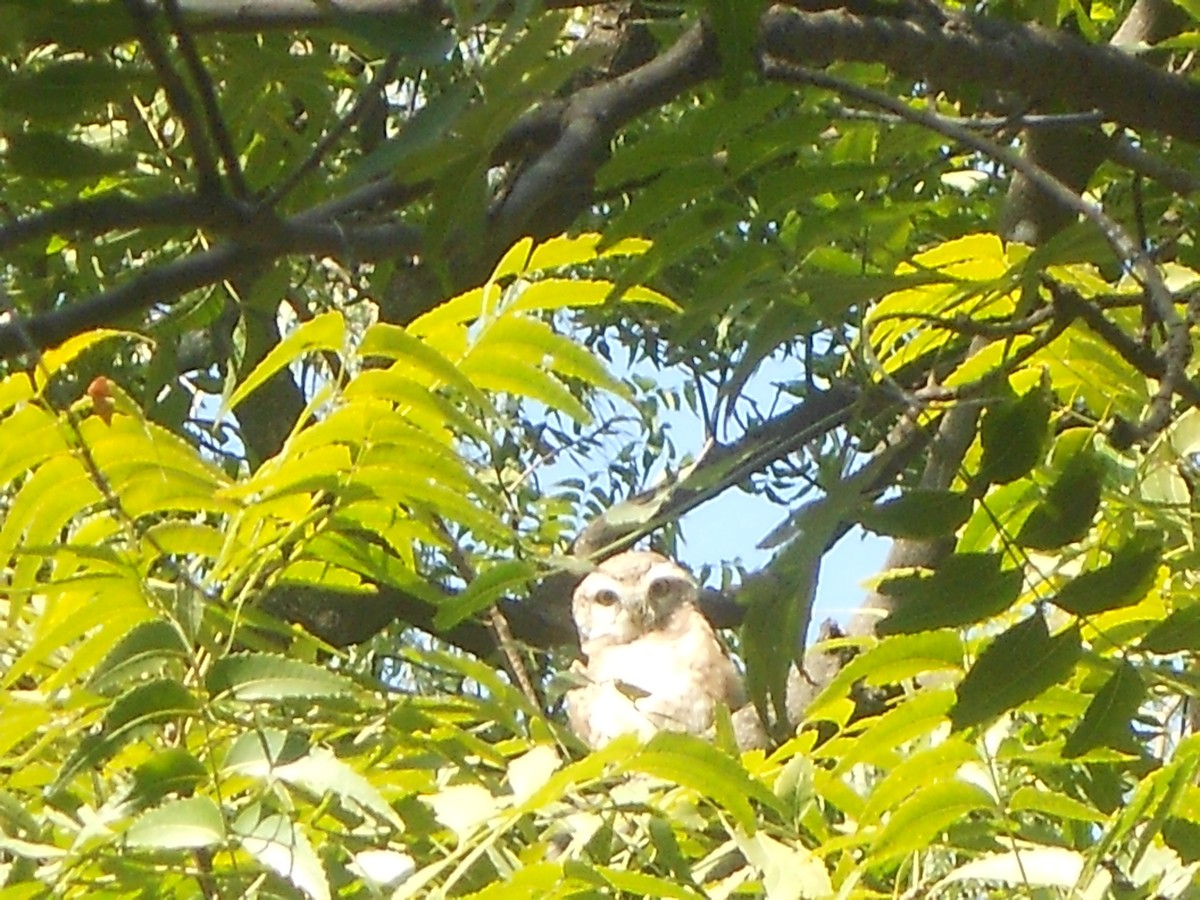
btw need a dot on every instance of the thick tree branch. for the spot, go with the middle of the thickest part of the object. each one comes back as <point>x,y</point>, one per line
<point>1046,67</point>
<point>559,182</point>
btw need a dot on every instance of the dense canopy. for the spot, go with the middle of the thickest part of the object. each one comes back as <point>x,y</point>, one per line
<point>340,340</point>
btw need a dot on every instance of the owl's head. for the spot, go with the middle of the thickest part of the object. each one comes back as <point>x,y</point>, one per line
<point>628,595</point>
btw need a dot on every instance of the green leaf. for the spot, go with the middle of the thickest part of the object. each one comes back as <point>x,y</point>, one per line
<point>270,754</point>
<point>514,260</point>
<point>421,40</point>
<point>779,607</point>
<point>1014,435</point>
<point>697,764</point>
<point>921,819</point>
<point>1053,803</point>
<point>893,659</point>
<point>181,824</point>
<point>1183,836</point>
<point>324,332</point>
<point>58,92</point>
<point>533,339</point>
<point>790,871</point>
<point>55,360</point>
<point>559,252</point>
<point>641,884</point>
<point>152,703</point>
<point>966,588</point>
<point>921,714</point>
<point>260,676</point>
<point>170,771</point>
<point>147,649</point>
<point>52,156</point>
<point>737,33</point>
<point>491,584</point>
<point>1178,631</point>
<point>394,342</point>
<point>1123,582</point>
<point>1014,668</point>
<point>423,133</point>
<point>509,370</point>
<point>918,514</point>
<point>1070,505</point>
<point>1107,720</point>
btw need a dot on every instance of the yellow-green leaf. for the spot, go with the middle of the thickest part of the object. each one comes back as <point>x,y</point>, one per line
<point>324,332</point>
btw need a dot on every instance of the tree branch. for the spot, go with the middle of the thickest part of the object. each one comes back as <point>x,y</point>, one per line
<point>166,283</point>
<point>1046,67</point>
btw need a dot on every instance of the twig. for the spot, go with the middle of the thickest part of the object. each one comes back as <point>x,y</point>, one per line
<point>979,123</point>
<point>496,620</point>
<point>331,137</point>
<point>1125,153</point>
<point>208,99</point>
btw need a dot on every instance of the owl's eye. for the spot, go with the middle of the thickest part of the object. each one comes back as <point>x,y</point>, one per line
<point>659,588</point>
<point>607,597</point>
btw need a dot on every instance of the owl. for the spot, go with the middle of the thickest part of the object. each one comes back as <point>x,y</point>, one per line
<point>653,661</point>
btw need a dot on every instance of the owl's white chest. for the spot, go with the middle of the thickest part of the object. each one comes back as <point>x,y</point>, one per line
<point>656,682</point>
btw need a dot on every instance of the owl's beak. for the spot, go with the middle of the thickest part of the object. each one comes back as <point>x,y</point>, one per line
<point>644,613</point>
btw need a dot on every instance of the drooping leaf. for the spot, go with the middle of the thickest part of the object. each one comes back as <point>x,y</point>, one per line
<point>965,588</point>
<point>148,704</point>
<point>1015,667</point>
<point>1053,803</point>
<point>780,604</point>
<point>282,847</point>
<point>1107,720</point>
<point>918,514</point>
<point>51,155</point>
<point>1014,435</point>
<point>1183,836</point>
<point>893,659</point>
<point>148,648</point>
<point>170,771</point>
<point>1178,631</point>
<point>508,370</point>
<point>1066,513</point>
<point>927,813</point>
<point>394,342</point>
<point>288,756</point>
<point>1122,582</point>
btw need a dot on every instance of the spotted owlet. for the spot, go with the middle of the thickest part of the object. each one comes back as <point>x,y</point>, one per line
<point>653,661</point>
